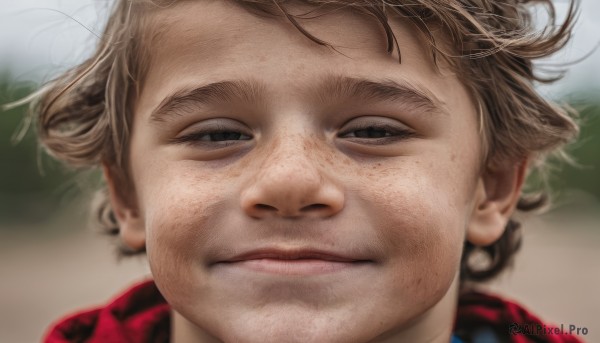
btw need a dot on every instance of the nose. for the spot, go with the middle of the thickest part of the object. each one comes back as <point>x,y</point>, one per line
<point>290,183</point>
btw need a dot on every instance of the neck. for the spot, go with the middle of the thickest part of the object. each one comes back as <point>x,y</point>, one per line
<point>184,331</point>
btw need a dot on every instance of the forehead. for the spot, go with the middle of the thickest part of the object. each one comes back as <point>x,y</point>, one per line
<point>209,41</point>
<point>216,18</point>
<point>224,25</point>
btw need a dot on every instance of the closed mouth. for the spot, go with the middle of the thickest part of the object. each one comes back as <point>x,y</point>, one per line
<point>289,255</point>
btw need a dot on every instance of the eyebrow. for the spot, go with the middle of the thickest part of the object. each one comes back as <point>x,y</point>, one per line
<point>412,96</point>
<point>213,93</point>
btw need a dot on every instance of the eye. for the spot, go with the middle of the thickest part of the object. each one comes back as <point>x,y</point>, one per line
<point>369,132</point>
<point>214,135</point>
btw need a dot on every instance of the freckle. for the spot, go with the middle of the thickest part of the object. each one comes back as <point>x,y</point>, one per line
<point>453,157</point>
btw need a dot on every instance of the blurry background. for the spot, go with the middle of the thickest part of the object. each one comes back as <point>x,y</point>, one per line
<point>51,262</point>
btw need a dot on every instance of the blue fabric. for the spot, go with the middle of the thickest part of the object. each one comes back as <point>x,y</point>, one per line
<point>455,339</point>
<point>485,335</point>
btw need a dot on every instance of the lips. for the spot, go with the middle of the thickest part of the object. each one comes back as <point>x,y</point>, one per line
<point>292,262</point>
<point>296,254</point>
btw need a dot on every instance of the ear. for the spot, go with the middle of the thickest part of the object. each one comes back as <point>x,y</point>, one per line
<point>131,227</point>
<point>496,197</point>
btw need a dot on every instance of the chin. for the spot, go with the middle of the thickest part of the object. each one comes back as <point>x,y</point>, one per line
<point>319,329</point>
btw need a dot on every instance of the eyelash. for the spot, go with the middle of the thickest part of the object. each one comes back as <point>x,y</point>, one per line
<point>197,138</point>
<point>391,134</point>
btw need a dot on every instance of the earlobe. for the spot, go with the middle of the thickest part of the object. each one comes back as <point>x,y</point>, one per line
<point>496,196</point>
<point>131,228</point>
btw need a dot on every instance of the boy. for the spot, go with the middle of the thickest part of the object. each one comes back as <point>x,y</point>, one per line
<point>310,171</point>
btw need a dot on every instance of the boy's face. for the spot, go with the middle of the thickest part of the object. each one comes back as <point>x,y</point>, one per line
<point>248,138</point>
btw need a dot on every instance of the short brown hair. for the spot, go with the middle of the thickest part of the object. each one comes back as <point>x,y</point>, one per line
<point>84,117</point>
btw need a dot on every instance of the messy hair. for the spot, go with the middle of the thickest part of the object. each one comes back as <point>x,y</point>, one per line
<point>84,117</point>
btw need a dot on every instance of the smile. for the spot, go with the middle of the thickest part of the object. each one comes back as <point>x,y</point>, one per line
<point>302,262</point>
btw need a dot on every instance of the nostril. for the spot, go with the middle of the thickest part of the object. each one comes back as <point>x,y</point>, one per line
<point>265,207</point>
<point>314,207</point>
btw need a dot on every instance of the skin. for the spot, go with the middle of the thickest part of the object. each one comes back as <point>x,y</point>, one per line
<point>303,178</point>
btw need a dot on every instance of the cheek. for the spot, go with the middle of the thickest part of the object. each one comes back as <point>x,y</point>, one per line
<point>420,216</point>
<point>180,222</point>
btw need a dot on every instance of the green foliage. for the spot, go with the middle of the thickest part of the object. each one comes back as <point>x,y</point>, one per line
<point>32,186</point>
<point>585,175</point>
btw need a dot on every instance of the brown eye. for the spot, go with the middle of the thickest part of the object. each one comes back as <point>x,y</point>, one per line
<point>214,133</point>
<point>371,132</point>
<point>216,136</point>
<point>220,136</point>
<point>376,134</point>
